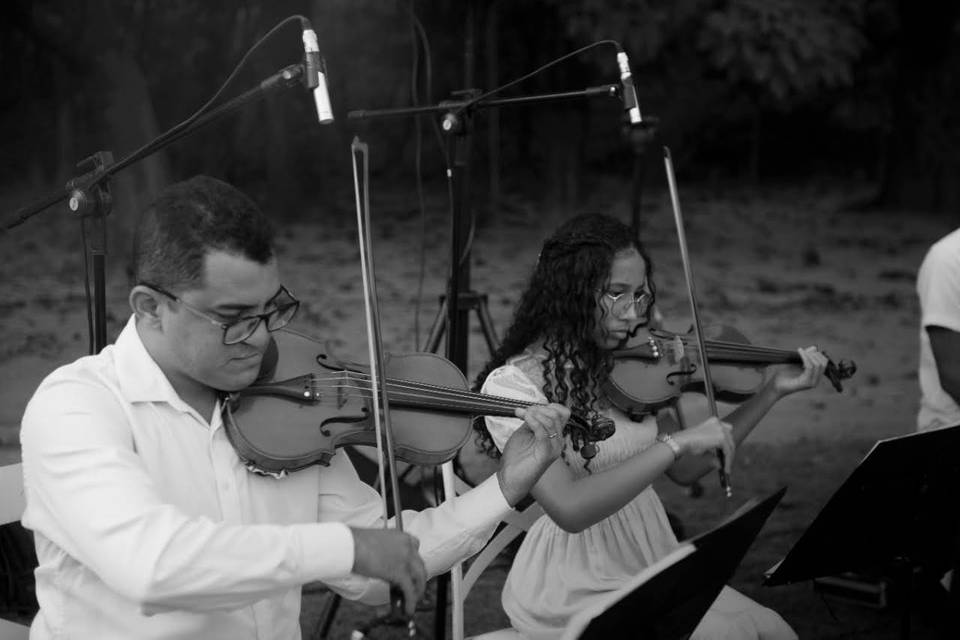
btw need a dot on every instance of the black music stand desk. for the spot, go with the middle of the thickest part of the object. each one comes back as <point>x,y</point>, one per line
<point>667,600</point>
<point>896,513</point>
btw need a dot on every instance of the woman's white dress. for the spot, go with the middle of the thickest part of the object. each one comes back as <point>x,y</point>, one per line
<point>556,573</point>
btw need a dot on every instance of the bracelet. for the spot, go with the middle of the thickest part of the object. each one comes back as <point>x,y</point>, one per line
<point>668,440</point>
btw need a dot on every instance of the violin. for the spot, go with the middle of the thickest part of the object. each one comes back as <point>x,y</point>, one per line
<point>306,403</point>
<point>654,366</point>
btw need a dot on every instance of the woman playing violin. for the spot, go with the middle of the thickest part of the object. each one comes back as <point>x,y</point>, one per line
<point>604,522</point>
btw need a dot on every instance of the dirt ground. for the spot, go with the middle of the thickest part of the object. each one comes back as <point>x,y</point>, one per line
<point>788,266</point>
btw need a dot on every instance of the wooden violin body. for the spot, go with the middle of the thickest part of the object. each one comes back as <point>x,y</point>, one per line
<point>310,403</point>
<point>306,403</point>
<point>655,366</point>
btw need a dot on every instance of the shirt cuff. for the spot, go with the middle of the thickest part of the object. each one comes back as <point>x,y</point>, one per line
<point>326,550</point>
<point>488,496</point>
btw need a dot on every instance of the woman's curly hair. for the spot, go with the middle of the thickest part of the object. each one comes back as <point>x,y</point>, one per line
<point>558,307</point>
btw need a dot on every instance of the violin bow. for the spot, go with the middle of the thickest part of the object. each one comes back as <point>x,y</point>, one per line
<point>694,309</point>
<point>379,397</point>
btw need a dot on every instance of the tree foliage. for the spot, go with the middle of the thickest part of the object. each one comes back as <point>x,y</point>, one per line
<point>786,50</point>
<point>820,80</point>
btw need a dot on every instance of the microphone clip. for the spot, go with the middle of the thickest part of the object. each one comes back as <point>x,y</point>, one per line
<point>90,194</point>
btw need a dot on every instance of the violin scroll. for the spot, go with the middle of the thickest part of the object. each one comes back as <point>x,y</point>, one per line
<point>839,371</point>
<point>598,429</point>
<point>653,367</point>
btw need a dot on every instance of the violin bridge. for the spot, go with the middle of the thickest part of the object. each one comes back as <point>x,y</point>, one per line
<point>678,349</point>
<point>343,389</point>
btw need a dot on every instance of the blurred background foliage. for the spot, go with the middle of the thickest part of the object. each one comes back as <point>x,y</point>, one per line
<point>750,90</point>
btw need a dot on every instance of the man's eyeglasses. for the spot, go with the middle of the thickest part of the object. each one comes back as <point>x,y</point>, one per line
<point>620,302</point>
<point>284,308</point>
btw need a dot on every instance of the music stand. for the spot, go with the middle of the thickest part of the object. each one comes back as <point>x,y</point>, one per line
<point>667,601</point>
<point>895,514</point>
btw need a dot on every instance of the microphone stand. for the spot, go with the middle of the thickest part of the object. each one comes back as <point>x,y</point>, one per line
<point>89,194</point>
<point>638,137</point>
<point>456,124</point>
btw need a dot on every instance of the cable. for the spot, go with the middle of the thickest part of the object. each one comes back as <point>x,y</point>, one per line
<point>468,245</point>
<point>419,36</point>
<point>540,69</point>
<point>199,112</point>
<point>86,284</point>
<point>428,70</point>
<point>418,173</point>
<point>173,131</point>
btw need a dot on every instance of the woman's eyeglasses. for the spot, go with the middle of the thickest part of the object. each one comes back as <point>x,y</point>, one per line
<point>239,330</point>
<point>620,302</point>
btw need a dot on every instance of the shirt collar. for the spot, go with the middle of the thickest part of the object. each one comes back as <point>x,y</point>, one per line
<point>140,377</point>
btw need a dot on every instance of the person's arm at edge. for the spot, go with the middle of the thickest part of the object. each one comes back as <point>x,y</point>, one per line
<point>945,345</point>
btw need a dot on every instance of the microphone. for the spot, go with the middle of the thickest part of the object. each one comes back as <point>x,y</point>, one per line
<point>315,76</point>
<point>629,92</point>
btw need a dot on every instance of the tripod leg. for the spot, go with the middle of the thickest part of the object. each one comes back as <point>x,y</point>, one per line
<point>326,618</point>
<point>904,571</point>
<point>443,580</point>
<point>438,328</point>
<point>486,324</point>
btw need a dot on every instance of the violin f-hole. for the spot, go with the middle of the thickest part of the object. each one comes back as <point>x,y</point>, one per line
<point>685,372</point>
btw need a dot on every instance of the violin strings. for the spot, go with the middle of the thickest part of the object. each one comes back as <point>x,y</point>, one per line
<point>746,350</point>
<point>467,398</point>
<point>443,397</point>
<point>752,349</point>
<point>411,390</point>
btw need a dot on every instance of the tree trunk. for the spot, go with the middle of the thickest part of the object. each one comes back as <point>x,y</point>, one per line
<point>131,122</point>
<point>923,145</point>
<point>562,135</point>
<point>756,131</point>
<point>492,61</point>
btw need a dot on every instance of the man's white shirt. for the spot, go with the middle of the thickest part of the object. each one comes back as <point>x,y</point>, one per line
<point>148,525</point>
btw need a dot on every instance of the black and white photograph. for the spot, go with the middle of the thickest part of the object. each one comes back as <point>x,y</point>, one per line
<point>529,320</point>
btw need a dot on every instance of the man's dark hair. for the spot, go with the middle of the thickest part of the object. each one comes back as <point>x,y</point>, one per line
<point>189,219</point>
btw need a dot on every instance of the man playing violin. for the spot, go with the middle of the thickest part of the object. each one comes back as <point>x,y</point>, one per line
<point>147,524</point>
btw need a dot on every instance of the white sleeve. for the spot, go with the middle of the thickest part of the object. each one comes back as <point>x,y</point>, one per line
<point>510,382</point>
<point>89,493</point>
<point>938,285</point>
<point>448,533</point>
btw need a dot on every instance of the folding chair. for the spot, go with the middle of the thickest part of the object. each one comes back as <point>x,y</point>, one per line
<point>517,522</point>
<point>12,504</point>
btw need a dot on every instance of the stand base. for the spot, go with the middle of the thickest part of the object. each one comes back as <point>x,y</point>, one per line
<point>468,300</point>
<point>853,588</point>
